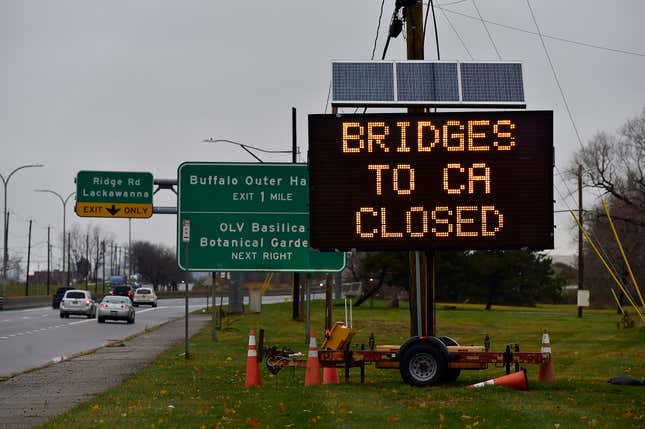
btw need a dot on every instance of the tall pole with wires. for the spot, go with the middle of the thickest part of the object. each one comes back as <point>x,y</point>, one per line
<point>49,255</point>
<point>421,284</point>
<point>581,259</point>
<point>28,260</point>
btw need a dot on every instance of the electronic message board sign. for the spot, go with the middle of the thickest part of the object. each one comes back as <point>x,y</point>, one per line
<point>459,180</point>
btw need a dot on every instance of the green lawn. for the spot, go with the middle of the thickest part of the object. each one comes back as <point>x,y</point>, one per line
<point>208,390</point>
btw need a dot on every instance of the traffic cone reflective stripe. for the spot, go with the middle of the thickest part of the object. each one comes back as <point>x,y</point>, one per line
<point>546,344</point>
<point>516,380</point>
<point>252,365</point>
<point>547,370</point>
<point>312,376</point>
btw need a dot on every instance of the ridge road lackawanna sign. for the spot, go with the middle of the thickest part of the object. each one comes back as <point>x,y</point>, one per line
<point>458,180</point>
<point>114,194</point>
<point>248,217</point>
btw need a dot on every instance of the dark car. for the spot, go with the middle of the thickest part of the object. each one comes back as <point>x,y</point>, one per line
<point>123,290</point>
<point>58,295</point>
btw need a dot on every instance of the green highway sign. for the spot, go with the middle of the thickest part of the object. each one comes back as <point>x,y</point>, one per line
<point>114,194</point>
<point>247,217</point>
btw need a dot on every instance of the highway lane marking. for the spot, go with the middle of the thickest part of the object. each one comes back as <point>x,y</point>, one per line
<point>20,334</point>
<point>78,322</point>
<point>149,309</point>
<point>22,318</point>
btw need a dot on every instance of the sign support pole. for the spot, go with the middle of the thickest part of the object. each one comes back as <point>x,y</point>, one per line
<point>214,286</point>
<point>186,239</point>
<point>186,299</point>
<point>295,294</point>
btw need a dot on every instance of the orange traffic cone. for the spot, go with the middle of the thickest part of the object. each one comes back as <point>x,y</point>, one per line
<point>330,375</point>
<point>547,370</point>
<point>517,380</point>
<point>252,365</point>
<point>312,376</point>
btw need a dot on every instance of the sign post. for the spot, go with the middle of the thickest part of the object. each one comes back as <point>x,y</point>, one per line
<point>185,237</point>
<point>249,217</point>
<point>114,194</point>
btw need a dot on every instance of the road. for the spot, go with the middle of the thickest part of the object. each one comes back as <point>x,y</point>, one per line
<point>38,336</point>
<point>34,337</point>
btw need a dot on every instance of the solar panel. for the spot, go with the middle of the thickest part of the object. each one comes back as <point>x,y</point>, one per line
<point>427,83</point>
<point>483,82</point>
<point>368,81</point>
<point>423,81</point>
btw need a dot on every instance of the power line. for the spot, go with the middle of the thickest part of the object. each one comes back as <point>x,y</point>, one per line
<point>561,39</point>
<point>490,37</point>
<point>328,94</point>
<point>378,28</point>
<point>555,75</point>
<point>445,15</point>
<point>436,31</point>
<point>599,245</point>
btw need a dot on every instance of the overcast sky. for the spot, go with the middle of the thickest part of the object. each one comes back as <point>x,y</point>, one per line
<point>125,85</point>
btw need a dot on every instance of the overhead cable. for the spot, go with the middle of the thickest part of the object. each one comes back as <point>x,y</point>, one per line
<point>561,39</point>
<point>490,37</point>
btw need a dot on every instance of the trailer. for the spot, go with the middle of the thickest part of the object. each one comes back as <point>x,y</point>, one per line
<point>421,360</point>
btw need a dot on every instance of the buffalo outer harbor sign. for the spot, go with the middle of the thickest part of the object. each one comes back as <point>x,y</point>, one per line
<point>248,217</point>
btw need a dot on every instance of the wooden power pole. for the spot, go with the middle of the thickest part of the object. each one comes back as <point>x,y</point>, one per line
<point>581,263</point>
<point>421,275</point>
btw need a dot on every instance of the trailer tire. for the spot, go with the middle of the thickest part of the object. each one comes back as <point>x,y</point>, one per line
<point>423,364</point>
<point>451,374</point>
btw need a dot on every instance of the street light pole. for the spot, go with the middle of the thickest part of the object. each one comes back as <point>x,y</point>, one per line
<point>64,202</point>
<point>5,221</point>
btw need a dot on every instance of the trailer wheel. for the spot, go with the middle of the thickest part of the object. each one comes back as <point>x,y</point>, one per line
<point>423,364</point>
<point>451,374</point>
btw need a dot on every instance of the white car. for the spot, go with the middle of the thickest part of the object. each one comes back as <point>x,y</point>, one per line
<point>77,301</point>
<point>144,295</point>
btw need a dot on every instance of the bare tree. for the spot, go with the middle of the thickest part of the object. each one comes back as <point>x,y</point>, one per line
<point>86,249</point>
<point>615,165</point>
<point>156,264</point>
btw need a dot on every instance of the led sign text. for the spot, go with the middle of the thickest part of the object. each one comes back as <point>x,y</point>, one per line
<point>475,180</point>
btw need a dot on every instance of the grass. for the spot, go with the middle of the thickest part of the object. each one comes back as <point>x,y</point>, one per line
<point>208,390</point>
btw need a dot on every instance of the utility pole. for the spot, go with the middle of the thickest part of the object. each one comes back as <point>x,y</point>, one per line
<point>69,264</point>
<point>49,256</point>
<point>421,281</point>
<point>96,264</point>
<point>103,252</point>
<point>581,263</point>
<point>28,260</point>
<point>129,247</point>
<point>87,258</point>
<point>117,260</point>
